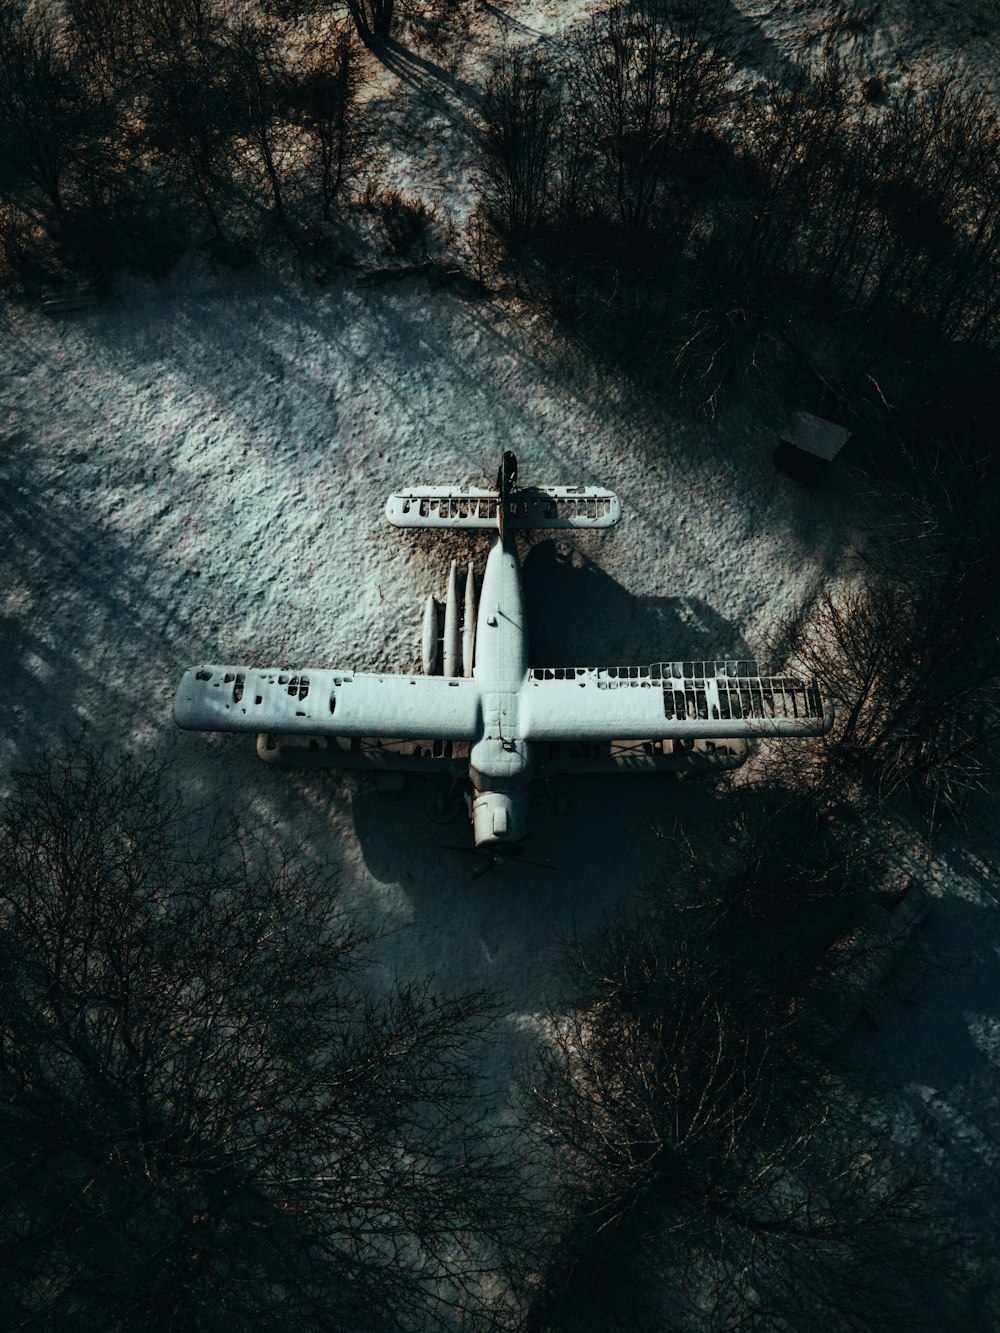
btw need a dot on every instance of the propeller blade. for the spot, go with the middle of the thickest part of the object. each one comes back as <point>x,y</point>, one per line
<point>491,859</point>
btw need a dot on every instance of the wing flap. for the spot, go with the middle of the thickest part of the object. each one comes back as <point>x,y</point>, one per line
<point>327,703</point>
<point>669,700</point>
<point>640,756</point>
<point>369,755</point>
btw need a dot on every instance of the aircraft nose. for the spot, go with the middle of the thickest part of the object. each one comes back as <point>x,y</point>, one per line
<point>496,820</point>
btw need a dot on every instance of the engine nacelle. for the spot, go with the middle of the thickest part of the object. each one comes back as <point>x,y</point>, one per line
<point>430,640</point>
<point>498,819</point>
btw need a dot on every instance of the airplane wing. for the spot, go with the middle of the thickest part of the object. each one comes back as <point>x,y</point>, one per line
<point>327,703</point>
<point>668,700</point>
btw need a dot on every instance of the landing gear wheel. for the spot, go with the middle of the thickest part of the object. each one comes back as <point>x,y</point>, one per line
<point>444,805</point>
<point>552,799</point>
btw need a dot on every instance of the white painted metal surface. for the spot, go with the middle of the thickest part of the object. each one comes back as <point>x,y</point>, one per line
<point>685,714</point>
<point>452,644</point>
<point>469,623</point>
<point>326,703</point>
<point>430,644</point>
<point>475,507</point>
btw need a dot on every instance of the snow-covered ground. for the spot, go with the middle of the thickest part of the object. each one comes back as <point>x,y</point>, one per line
<point>195,472</point>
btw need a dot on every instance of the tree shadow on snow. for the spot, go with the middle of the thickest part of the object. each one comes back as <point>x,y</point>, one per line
<point>597,844</point>
<point>932,1040</point>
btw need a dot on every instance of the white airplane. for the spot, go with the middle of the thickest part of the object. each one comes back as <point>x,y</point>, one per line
<point>479,711</point>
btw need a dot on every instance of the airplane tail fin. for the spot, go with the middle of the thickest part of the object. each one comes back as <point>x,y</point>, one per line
<point>527,507</point>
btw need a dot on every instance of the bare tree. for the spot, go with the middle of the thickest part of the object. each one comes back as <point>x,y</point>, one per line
<point>379,20</point>
<point>909,646</point>
<point>323,102</point>
<point>190,110</point>
<point>647,80</point>
<point>260,76</point>
<point>41,107</point>
<point>106,36</point>
<point>707,1172</point>
<point>208,1117</point>
<point>372,18</point>
<point>521,112</point>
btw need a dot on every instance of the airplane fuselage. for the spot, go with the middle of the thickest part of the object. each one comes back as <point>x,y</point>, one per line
<point>506,709</point>
<point>500,761</point>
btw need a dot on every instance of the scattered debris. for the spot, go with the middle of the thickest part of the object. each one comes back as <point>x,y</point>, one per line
<point>438,274</point>
<point>69,300</point>
<point>809,445</point>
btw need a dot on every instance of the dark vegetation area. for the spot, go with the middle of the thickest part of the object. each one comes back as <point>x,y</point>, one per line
<point>701,226</point>
<point>208,1116</point>
<point>811,239</point>
<point>133,130</point>
<point>814,235</point>
<point>211,1117</point>
<point>712,1170</point>
<point>908,647</point>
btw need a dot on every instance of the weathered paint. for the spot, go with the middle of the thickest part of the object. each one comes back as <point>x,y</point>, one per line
<point>497,704</point>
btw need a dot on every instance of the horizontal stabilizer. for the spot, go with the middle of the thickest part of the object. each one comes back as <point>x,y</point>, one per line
<point>530,507</point>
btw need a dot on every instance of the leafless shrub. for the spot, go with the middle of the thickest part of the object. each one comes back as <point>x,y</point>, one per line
<point>521,110</point>
<point>22,243</point>
<point>690,1184</point>
<point>323,101</point>
<point>936,177</point>
<point>683,227</point>
<point>873,88</point>
<point>406,221</point>
<point>787,138</point>
<point>208,1119</point>
<point>190,105</point>
<point>908,649</point>
<point>707,1172</point>
<point>484,244</point>
<point>260,75</point>
<point>106,37</point>
<point>647,81</point>
<point>42,106</point>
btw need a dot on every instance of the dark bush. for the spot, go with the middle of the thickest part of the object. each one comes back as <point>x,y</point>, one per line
<point>704,1167</point>
<point>521,112</point>
<point>209,1118</point>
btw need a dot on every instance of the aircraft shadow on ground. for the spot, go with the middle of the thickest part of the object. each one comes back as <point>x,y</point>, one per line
<point>577,615</point>
<point>580,616</point>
